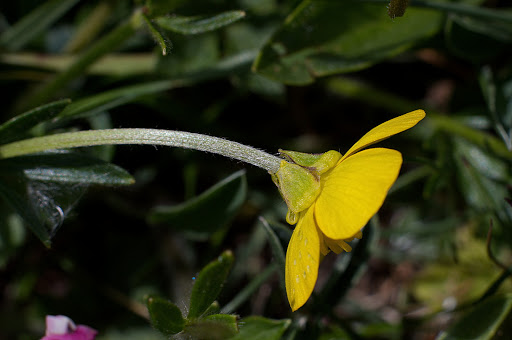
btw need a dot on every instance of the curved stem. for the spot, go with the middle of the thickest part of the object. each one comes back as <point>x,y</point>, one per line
<point>181,139</point>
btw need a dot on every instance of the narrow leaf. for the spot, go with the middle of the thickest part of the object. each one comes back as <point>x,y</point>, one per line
<point>208,212</point>
<point>34,23</point>
<point>249,289</point>
<point>482,322</point>
<point>199,24</point>
<point>67,167</point>
<point>165,316</point>
<point>277,249</point>
<point>113,98</point>
<point>208,284</point>
<point>17,127</point>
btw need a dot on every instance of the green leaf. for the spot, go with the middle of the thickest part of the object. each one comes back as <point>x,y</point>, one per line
<point>113,98</point>
<point>199,24</point>
<point>208,212</point>
<point>158,35</point>
<point>257,327</point>
<point>44,188</point>
<point>186,60</point>
<point>162,7</point>
<point>480,177</point>
<point>67,168</point>
<point>132,333</point>
<point>213,327</point>
<point>208,284</point>
<point>17,127</point>
<point>478,40</point>
<point>34,23</point>
<point>320,38</point>
<point>245,294</point>
<point>165,316</point>
<point>481,322</point>
<point>19,202</point>
<point>101,47</point>
<point>277,249</point>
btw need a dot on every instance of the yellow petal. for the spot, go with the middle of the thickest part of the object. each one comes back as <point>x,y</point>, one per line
<point>386,130</point>
<point>302,260</point>
<point>355,190</point>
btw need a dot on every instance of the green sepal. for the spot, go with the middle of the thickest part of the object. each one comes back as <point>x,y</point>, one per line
<point>298,178</point>
<point>298,186</point>
<point>316,162</point>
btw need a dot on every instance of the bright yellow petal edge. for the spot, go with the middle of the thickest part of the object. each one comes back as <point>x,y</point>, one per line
<point>386,130</point>
<point>355,190</point>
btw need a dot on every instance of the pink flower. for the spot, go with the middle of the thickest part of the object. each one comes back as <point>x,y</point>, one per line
<point>61,327</point>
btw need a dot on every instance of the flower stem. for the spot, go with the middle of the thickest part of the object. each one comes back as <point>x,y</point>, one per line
<point>181,139</point>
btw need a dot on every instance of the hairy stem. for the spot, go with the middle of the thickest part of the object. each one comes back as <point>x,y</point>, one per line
<point>181,139</point>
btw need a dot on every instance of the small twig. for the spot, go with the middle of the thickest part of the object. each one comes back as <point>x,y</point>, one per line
<point>489,250</point>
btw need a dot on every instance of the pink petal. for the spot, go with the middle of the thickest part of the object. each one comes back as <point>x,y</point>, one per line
<point>63,328</point>
<point>59,324</point>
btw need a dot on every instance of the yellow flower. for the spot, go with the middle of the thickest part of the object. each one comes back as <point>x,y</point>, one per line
<point>331,198</point>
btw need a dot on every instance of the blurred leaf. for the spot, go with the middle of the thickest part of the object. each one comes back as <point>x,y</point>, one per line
<point>66,167</point>
<point>213,309</point>
<point>165,316</point>
<point>208,212</point>
<point>44,188</point>
<point>257,327</point>
<point>246,293</point>
<point>126,64</point>
<point>185,59</point>
<point>481,178</point>
<point>113,98</point>
<point>347,268</point>
<point>335,333</point>
<point>132,334</point>
<point>199,24</point>
<point>162,7</point>
<point>497,100</point>
<point>214,327</point>
<point>17,127</point>
<point>457,279</point>
<point>209,283</point>
<point>477,39</point>
<point>277,249</point>
<point>495,29</point>
<point>106,44</point>
<point>482,322</point>
<point>117,97</point>
<point>12,234</point>
<point>327,37</point>
<point>158,35</point>
<point>43,206</point>
<point>34,23</point>
<point>88,29</point>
